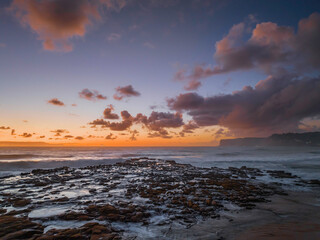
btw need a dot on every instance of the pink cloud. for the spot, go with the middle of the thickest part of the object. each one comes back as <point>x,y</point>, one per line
<point>56,22</point>
<point>270,47</point>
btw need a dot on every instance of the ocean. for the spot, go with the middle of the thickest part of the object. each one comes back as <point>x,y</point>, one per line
<point>301,161</point>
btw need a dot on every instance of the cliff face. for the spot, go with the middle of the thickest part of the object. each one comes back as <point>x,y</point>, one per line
<point>287,139</point>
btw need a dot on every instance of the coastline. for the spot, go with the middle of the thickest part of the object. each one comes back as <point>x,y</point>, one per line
<point>145,198</point>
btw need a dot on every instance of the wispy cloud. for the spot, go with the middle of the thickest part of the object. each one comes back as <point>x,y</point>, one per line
<point>113,37</point>
<point>149,45</point>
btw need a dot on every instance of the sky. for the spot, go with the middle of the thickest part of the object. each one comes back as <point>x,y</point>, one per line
<point>157,72</point>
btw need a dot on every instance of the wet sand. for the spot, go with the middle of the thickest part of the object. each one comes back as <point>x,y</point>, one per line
<point>296,216</point>
<point>292,217</point>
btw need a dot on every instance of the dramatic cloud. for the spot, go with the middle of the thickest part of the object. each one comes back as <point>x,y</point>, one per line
<point>56,102</point>
<point>91,95</point>
<point>26,135</point>
<point>270,47</point>
<point>125,124</point>
<point>4,128</point>
<point>273,105</point>
<point>110,137</point>
<point>159,120</point>
<point>115,126</point>
<point>56,21</point>
<point>221,133</point>
<point>188,128</point>
<point>156,122</point>
<point>107,113</point>
<point>126,91</point>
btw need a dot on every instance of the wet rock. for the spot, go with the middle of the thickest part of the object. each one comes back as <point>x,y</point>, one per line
<point>63,199</point>
<point>280,174</point>
<point>314,182</point>
<point>13,228</point>
<point>19,202</point>
<point>18,212</point>
<point>133,191</point>
<point>90,231</point>
<point>3,211</point>
<point>75,216</point>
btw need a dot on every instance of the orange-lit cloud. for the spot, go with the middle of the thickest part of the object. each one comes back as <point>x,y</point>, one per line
<point>79,138</point>
<point>26,135</point>
<point>56,22</point>
<point>4,128</point>
<point>56,102</point>
<point>111,137</point>
<point>59,131</point>
<point>68,136</point>
<point>270,48</point>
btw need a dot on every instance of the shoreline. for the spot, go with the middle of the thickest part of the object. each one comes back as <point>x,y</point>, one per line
<point>145,198</point>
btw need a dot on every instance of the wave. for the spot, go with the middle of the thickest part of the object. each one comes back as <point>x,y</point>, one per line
<point>229,154</point>
<point>316,153</point>
<point>27,157</point>
<point>16,156</point>
<point>28,165</point>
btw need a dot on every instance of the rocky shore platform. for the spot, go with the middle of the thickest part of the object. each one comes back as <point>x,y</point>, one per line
<point>140,198</point>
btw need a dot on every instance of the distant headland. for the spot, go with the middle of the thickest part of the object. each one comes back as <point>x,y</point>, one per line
<point>286,139</point>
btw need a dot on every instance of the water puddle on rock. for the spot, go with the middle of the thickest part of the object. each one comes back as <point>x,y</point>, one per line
<point>48,211</point>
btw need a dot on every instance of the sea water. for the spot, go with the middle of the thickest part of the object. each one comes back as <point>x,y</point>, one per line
<point>301,161</point>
